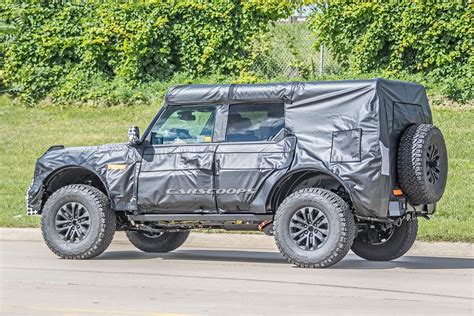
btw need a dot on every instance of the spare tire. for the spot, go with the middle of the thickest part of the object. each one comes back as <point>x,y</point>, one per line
<point>422,164</point>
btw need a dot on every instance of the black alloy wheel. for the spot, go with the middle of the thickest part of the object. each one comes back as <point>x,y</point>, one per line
<point>309,228</point>
<point>72,222</point>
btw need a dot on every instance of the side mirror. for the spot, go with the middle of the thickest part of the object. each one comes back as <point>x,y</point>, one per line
<point>133,135</point>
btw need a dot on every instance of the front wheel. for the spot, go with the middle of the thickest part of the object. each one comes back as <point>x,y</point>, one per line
<point>389,245</point>
<point>77,222</point>
<point>157,242</point>
<point>314,228</point>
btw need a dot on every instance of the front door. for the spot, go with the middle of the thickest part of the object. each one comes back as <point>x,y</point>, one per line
<point>255,147</point>
<point>177,169</point>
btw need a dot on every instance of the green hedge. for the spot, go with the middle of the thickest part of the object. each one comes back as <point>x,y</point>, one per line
<point>432,38</point>
<point>60,49</point>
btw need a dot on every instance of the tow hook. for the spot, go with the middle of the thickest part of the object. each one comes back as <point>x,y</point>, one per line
<point>267,227</point>
<point>398,222</point>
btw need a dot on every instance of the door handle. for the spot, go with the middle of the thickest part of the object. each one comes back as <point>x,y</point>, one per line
<point>218,167</point>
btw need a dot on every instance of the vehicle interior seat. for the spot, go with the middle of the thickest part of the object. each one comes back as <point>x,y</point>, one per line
<point>238,129</point>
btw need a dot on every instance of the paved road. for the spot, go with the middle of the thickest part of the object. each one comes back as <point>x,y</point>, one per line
<point>124,281</point>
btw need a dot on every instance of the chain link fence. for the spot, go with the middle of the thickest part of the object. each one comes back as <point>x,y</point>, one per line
<point>288,50</point>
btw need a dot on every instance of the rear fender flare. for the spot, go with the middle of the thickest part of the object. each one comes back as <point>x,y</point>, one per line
<point>274,196</point>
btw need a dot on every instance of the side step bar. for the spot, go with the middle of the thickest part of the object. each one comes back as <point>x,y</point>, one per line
<point>200,217</point>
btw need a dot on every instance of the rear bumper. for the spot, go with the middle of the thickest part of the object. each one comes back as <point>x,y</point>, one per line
<point>425,209</point>
<point>400,206</point>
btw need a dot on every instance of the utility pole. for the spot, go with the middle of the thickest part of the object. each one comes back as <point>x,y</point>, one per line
<point>321,59</point>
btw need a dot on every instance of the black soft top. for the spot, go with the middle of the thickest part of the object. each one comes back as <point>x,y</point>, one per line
<point>349,129</point>
<point>282,91</point>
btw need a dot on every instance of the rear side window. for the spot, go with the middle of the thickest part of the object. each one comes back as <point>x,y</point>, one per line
<point>254,122</point>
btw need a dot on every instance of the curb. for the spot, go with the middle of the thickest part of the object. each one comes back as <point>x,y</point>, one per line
<point>248,241</point>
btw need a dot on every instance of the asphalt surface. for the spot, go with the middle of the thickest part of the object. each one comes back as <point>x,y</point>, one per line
<point>124,281</point>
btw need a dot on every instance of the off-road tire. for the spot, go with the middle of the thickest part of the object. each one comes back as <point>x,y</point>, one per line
<point>413,161</point>
<point>102,222</point>
<point>341,226</point>
<point>165,242</point>
<point>396,246</point>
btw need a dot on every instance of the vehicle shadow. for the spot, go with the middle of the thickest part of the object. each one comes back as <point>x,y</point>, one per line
<point>350,262</point>
<point>407,262</point>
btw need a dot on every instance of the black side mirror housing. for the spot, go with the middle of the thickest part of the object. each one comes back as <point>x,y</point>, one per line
<point>133,135</point>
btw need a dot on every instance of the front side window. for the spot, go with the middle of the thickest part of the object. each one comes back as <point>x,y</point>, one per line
<point>184,125</point>
<point>254,122</point>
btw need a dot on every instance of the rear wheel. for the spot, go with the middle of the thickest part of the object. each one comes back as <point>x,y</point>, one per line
<point>387,245</point>
<point>314,228</point>
<point>157,242</point>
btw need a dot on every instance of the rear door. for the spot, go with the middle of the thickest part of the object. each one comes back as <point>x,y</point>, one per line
<point>255,146</point>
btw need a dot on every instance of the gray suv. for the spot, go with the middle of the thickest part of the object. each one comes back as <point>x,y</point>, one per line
<point>323,166</point>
